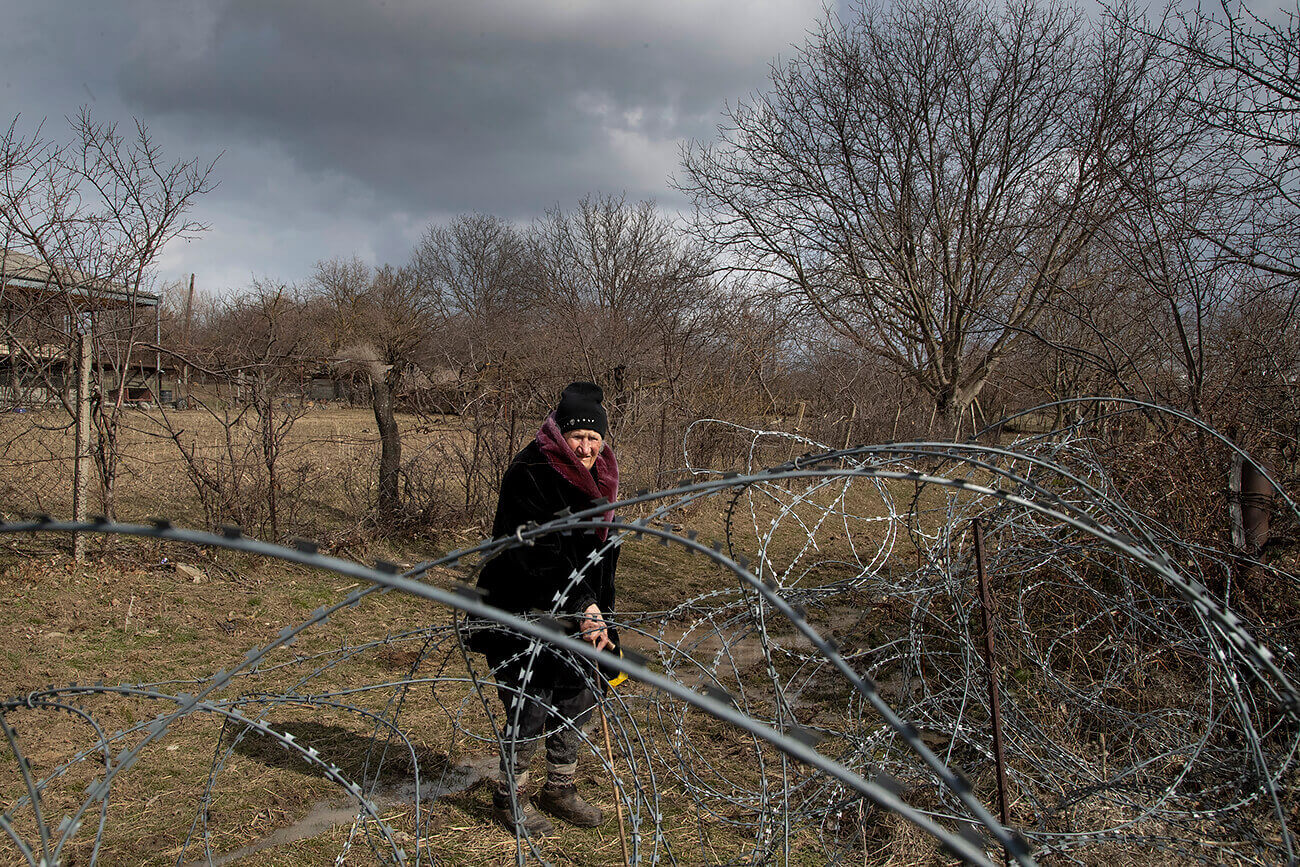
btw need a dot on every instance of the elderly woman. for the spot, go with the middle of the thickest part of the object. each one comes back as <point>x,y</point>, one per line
<point>568,466</point>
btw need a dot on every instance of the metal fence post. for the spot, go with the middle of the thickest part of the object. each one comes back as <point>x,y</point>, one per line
<point>986,611</point>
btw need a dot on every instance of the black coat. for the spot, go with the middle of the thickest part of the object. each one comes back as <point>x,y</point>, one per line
<point>540,575</point>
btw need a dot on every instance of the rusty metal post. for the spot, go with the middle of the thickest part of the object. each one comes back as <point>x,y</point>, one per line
<point>986,611</point>
<point>1256,503</point>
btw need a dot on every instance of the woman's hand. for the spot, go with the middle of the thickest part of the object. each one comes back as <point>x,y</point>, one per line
<point>594,629</point>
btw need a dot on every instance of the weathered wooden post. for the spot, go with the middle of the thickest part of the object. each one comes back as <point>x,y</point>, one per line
<point>81,459</point>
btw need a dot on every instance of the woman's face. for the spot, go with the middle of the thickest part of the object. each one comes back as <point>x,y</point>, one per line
<point>586,444</point>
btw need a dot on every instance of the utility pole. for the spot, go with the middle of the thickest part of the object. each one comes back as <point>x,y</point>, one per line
<point>185,346</point>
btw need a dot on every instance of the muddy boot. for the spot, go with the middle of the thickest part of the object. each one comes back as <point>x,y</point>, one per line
<point>560,798</point>
<point>518,815</point>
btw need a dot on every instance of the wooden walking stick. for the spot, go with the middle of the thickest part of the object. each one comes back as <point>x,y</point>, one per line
<point>618,802</point>
<point>609,751</point>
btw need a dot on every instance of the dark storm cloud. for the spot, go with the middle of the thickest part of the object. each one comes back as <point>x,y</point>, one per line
<point>346,127</point>
<point>505,107</point>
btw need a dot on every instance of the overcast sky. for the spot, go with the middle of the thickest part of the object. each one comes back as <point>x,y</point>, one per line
<point>348,126</point>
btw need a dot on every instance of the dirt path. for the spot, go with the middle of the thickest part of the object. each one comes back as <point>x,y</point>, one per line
<point>324,815</point>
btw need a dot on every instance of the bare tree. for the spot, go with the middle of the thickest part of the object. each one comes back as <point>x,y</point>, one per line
<point>252,351</point>
<point>93,214</point>
<point>376,323</point>
<point>475,269</point>
<point>1244,66</point>
<point>923,177</point>
<point>482,293</point>
<point>632,302</point>
<point>622,287</point>
<point>483,288</point>
<point>1096,340</point>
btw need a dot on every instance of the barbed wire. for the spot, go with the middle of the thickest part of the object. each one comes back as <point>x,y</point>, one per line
<point>816,681</point>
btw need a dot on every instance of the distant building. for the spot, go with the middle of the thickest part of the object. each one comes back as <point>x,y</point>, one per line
<point>42,310</point>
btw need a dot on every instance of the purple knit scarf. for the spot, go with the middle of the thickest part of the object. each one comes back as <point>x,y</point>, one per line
<point>566,463</point>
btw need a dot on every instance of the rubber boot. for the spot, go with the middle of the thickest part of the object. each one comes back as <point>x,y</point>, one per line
<point>518,815</point>
<point>560,798</point>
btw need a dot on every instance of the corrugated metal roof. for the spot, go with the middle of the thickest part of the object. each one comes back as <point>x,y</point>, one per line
<point>25,272</point>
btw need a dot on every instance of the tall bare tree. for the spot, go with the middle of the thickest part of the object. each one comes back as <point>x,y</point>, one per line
<point>922,176</point>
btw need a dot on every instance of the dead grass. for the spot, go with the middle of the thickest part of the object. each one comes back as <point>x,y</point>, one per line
<point>327,462</point>
<point>131,616</point>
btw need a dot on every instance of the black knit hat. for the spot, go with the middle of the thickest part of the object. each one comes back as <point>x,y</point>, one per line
<point>580,409</point>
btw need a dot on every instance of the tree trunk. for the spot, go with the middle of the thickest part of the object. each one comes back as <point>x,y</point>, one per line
<point>390,445</point>
<point>948,411</point>
<point>951,403</point>
<point>106,462</point>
